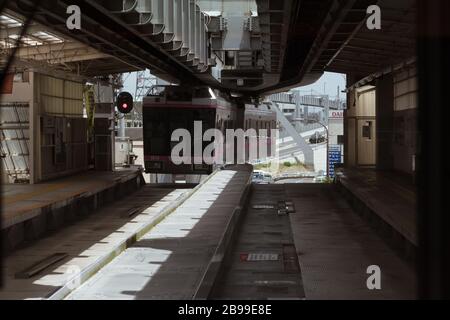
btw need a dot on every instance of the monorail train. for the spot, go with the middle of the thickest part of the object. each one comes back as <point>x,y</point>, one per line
<point>167,108</point>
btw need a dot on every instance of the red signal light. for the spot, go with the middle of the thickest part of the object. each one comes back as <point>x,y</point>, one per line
<point>125,102</point>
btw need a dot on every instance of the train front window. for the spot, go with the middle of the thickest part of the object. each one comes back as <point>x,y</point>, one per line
<point>160,123</point>
<point>156,131</point>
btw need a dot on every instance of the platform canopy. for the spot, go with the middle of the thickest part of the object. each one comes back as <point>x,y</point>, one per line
<point>356,49</point>
<point>254,47</point>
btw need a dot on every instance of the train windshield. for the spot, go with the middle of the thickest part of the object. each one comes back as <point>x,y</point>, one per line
<point>160,123</point>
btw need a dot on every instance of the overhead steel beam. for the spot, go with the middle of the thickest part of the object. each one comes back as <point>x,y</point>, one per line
<point>393,52</point>
<point>274,20</point>
<point>74,57</point>
<point>334,17</point>
<point>53,16</point>
<point>385,40</point>
<point>15,31</point>
<point>350,36</point>
<point>110,31</point>
<point>49,48</point>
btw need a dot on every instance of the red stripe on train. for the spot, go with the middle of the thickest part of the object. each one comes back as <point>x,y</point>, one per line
<point>166,158</point>
<point>181,106</point>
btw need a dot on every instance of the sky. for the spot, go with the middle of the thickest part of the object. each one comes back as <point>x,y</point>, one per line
<point>328,84</point>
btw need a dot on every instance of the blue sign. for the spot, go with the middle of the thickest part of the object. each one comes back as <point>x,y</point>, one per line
<point>334,156</point>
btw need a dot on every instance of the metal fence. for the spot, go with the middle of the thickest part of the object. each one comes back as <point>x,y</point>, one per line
<point>15,141</point>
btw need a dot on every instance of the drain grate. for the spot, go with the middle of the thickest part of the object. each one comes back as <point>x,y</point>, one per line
<point>40,266</point>
<point>259,256</point>
<point>282,209</point>
<point>290,206</point>
<point>285,207</point>
<point>263,206</point>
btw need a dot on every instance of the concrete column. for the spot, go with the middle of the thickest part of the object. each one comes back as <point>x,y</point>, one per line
<point>35,130</point>
<point>32,125</point>
<point>385,122</point>
<point>350,134</point>
<point>349,150</point>
<point>432,161</point>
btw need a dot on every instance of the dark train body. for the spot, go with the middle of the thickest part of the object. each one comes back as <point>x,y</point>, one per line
<point>167,108</point>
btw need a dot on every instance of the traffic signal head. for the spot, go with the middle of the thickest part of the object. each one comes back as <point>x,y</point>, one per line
<point>124,102</point>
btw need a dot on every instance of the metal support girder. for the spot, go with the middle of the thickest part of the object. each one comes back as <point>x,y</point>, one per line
<point>53,15</point>
<point>334,19</point>
<point>49,48</point>
<point>76,57</point>
<point>273,23</point>
<point>15,31</point>
<point>185,15</point>
<point>395,52</point>
<point>107,27</point>
<point>192,37</point>
<point>164,23</point>
<point>335,16</point>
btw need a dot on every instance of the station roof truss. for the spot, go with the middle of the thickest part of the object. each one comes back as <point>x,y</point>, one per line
<point>44,46</point>
<point>138,34</point>
<point>355,49</point>
<point>332,36</point>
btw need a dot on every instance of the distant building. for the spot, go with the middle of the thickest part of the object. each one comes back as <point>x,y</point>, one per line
<point>336,127</point>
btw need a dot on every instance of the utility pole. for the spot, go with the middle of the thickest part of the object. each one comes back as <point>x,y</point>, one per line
<point>144,81</point>
<point>328,146</point>
<point>121,118</point>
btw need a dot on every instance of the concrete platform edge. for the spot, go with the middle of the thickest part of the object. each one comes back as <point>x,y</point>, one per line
<point>60,213</point>
<point>215,266</point>
<point>404,246</point>
<point>79,279</point>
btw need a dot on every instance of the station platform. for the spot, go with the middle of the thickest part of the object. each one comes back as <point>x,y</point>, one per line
<point>31,211</point>
<point>388,201</point>
<point>174,259</point>
<point>335,246</point>
<point>52,266</point>
<point>223,239</point>
<point>155,243</point>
